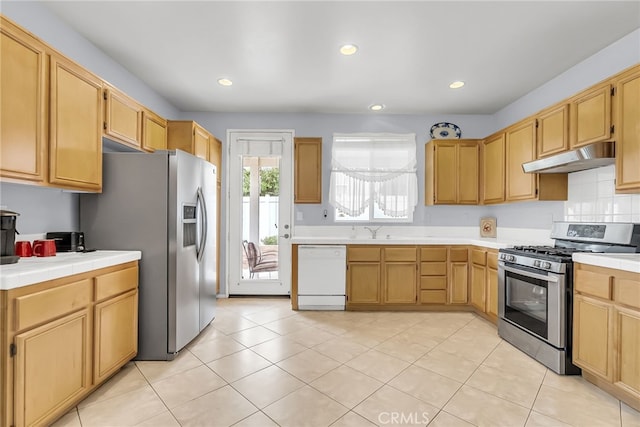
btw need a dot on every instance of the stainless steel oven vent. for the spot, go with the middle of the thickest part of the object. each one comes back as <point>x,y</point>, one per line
<point>588,157</point>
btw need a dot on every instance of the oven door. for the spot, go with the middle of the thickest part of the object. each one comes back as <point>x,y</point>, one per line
<point>533,300</point>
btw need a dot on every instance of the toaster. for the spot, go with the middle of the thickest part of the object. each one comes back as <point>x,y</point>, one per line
<point>67,241</point>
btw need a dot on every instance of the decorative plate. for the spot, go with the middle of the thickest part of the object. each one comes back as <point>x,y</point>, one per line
<point>444,130</point>
<point>488,227</point>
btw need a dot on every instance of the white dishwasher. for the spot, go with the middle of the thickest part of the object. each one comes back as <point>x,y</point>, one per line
<point>322,273</point>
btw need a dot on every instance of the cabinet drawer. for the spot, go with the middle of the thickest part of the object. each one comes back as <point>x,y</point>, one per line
<point>433,254</point>
<point>433,268</point>
<point>45,305</point>
<point>595,284</point>
<point>458,254</point>
<point>363,254</point>
<point>433,282</point>
<point>433,297</point>
<point>492,260</point>
<point>400,254</point>
<point>478,257</point>
<point>627,292</point>
<point>116,283</point>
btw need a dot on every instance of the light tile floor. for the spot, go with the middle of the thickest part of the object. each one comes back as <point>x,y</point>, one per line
<point>261,364</point>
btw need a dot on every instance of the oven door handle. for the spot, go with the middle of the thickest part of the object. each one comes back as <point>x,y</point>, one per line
<point>530,274</point>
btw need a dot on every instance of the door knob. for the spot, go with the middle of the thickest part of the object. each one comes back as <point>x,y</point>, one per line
<point>286,235</point>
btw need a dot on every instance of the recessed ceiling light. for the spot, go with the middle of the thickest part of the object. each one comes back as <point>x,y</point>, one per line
<point>348,49</point>
<point>456,85</point>
<point>225,82</point>
<point>376,107</point>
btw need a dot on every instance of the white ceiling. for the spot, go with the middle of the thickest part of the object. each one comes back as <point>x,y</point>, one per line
<point>283,56</point>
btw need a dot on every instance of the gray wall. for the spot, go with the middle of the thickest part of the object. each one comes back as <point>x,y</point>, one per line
<point>41,209</point>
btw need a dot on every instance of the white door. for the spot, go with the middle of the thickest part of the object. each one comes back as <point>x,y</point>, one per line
<point>260,211</point>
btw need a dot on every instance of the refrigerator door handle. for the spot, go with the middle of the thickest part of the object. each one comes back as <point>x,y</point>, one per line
<point>203,224</point>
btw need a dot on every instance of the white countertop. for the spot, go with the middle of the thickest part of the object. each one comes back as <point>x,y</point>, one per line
<point>487,243</point>
<point>626,262</point>
<point>28,271</point>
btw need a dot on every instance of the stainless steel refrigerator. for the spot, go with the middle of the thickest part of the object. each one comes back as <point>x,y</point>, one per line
<point>163,204</point>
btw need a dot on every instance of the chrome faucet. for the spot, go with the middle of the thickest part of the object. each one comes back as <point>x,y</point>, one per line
<point>373,231</point>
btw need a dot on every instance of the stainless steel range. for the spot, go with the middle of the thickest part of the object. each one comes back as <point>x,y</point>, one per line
<point>535,288</point>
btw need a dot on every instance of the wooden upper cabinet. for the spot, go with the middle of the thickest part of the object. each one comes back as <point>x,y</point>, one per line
<point>493,169</point>
<point>468,172</point>
<point>627,121</point>
<point>75,133</point>
<point>440,173</point>
<point>188,136</point>
<point>520,142</point>
<point>307,170</point>
<point>215,154</point>
<point>23,109</point>
<point>122,118</point>
<point>154,131</point>
<point>590,116</point>
<point>201,142</point>
<point>452,170</point>
<point>553,130</point>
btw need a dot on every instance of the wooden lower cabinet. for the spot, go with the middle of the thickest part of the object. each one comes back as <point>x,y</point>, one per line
<point>408,277</point>
<point>52,368</point>
<point>433,274</point>
<point>606,330</point>
<point>592,346</point>
<point>478,287</point>
<point>400,274</point>
<point>115,334</point>
<point>458,280</point>
<point>491,307</point>
<point>61,339</point>
<point>627,350</point>
<point>363,283</point>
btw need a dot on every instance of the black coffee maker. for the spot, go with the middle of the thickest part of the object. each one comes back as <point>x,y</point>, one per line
<point>8,237</point>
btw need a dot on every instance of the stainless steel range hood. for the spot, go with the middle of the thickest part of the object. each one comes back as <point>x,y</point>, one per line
<point>588,157</point>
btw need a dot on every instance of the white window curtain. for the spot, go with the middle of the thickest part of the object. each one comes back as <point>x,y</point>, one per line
<point>382,162</point>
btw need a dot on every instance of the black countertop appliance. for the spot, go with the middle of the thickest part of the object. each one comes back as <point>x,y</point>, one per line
<point>8,237</point>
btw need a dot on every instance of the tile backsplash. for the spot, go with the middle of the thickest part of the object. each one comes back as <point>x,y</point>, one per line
<point>592,198</point>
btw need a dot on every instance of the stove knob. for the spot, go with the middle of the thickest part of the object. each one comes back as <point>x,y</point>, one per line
<point>546,265</point>
<point>536,263</point>
<point>511,258</point>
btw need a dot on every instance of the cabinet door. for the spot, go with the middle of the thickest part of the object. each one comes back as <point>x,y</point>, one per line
<point>200,142</point>
<point>115,334</point>
<point>478,286</point>
<point>468,172</point>
<point>492,285</point>
<point>363,283</point>
<point>52,368</point>
<point>400,282</point>
<point>215,155</point>
<point>75,136</point>
<point>458,283</point>
<point>493,157</point>
<point>23,105</point>
<point>307,165</point>
<point>591,116</point>
<point>553,131</point>
<point>628,132</point>
<point>445,173</point>
<point>154,131</point>
<point>592,333</point>
<point>520,148</point>
<point>122,118</point>
<point>627,349</point>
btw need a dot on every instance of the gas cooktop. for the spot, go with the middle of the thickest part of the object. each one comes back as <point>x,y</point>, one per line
<point>544,252</point>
